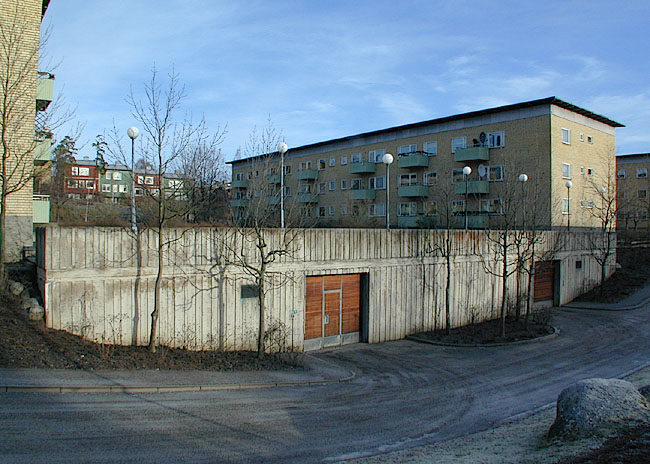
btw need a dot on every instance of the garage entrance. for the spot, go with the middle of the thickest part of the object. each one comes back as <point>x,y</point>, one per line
<point>545,285</point>
<point>332,310</point>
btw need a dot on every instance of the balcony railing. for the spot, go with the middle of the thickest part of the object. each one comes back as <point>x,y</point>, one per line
<point>41,209</point>
<point>472,154</point>
<point>363,167</point>
<point>273,179</point>
<point>408,222</point>
<point>409,191</point>
<point>242,184</point>
<point>273,201</point>
<point>240,203</point>
<point>363,194</point>
<point>306,197</point>
<point>43,150</point>
<point>307,174</point>
<point>44,90</point>
<point>413,161</point>
<point>473,187</point>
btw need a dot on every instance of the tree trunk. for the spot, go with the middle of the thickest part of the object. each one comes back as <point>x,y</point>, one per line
<point>504,284</point>
<point>447,294</point>
<point>262,310</point>
<point>156,299</point>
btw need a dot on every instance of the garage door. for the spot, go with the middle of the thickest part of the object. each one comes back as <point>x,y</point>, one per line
<point>332,310</point>
<point>544,279</point>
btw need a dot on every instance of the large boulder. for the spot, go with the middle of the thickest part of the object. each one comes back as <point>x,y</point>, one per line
<point>598,406</point>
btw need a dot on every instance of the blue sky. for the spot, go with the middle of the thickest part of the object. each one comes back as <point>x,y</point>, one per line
<point>322,70</point>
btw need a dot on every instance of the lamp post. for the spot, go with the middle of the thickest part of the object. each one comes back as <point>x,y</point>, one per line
<point>602,191</point>
<point>133,133</point>
<point>388,160</point>
<point>523,178</point>
<point>568,184</point>
<point>466,172</point>
<point>282,149</point>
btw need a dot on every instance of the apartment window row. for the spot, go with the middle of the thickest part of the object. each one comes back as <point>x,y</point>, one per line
<point>79,171</point>
<point>114,188</point>
<point>492,140</point>
<point>114,175</point>
<point>492,174</point>
<point>566,137</point>
<point>87,184</point>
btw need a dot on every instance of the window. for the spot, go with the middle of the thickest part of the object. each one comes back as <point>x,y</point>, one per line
<point>74,170</point>
<point>590,139</point>
<point>138,192</point>
<point>457,176</point>
<point>457,206</point>
<point>90,185</point>
<point>430,148</point>
<point>330,210</point>
<point>148,180</point>
<point>430,178</point>
<point>642,173</point>
<point>376,210</point>
<point>496,139</point>
<point>431,208</point>
<point>590,204</point>
<point>376,156</point>
<point>117,176</point>
<point>238,176</point>
<point>356,211</point>
<point>407,179</point>
<point>355,158</point>
<point>495,173</point>
<point>84,171</point>
<point>287,191</point>
<point>257,173</point>
<point>566,171</point>
<point>115,188</point>
<point>566,136</point>
<point>492,206</point>
<point>407,149</point>
<point>590,172</point>
<point>620,174</point>
<point>344,160</point>
<point>304,165</point>
<point>106,188</point>
<point>304,188</point>
<point>458,142</point>
<point>344,184</point>
<point>332,186</point>
<point>108,175</point>
<point>344,209</point>
<point>642,194</point>
<point>578,264</point>
<point>582,137</point>
<point>408,209</point>
<point>320,212</point>
<point>287,169</point>
<point>305,211</point>
<point>566,206</point>
<point>321,187</point>
<point>332,162</point>
<point>582,203</point>
<point>321,165</point>
<point>140,179</point>
<point>124,188</point>
<point>377,183</point>
<point>355,184</point>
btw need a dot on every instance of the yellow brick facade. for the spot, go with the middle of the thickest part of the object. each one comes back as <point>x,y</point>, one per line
<point>522,139</point>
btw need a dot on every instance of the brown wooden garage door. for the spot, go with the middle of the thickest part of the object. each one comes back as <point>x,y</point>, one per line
<point>544,279</point>
<point>332,310</point>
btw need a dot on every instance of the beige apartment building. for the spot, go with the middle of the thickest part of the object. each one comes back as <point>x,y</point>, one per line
<point>343,182</point>
<point>26,94</point>
<point>633,192</point>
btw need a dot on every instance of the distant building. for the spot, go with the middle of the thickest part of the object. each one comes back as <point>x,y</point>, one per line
<point>633,192</point>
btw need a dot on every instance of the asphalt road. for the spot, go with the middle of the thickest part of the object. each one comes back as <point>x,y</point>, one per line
<point>405,394</point>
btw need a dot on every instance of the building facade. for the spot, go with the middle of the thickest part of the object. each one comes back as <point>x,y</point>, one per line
<point>343,182</point>
<point>633,193</point>
<point>26,94</point>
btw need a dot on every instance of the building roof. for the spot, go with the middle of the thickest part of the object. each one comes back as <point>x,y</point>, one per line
<point>632,157</point>
<point>499,109</point>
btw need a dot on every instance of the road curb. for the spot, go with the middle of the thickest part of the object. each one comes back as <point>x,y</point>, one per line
<point>601,308</point>
<point>555,333</point>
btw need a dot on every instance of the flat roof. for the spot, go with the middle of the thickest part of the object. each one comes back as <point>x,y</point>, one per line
<point>543,101</point>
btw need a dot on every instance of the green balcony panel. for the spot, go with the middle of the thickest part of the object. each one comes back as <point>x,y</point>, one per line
<point>408,222</point>
<point>305,197</point>
<point>241,184</point>
<point>41,209</point>
<point>472,154</point>
<point>473,187</point>
<point>43,150</point>
<point>273,201</point>
<point>478,222</point>
<point>364,194</point>
<point>44,91</point>
<point>413,161</point>
<point>307,174</point>
<point>410,191</point>
<point>240,203</point>
<point>365,167</point>
<point>273,179</point>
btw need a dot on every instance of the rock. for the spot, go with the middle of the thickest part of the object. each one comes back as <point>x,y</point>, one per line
<point>29,303</point>
<point>36,313</point>
<point>598,407</point>
<point>16,288</point>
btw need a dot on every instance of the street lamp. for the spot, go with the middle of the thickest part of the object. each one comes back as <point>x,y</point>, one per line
<point>466,172</point>
<point>388,160</point>
<point>523,178</point>
<point>568,184</point>
<point>133,133</point>
<point>282,149</point>
<point>602,191</point>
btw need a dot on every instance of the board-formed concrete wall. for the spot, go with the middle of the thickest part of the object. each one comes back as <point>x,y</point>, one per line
<point>88,275</point>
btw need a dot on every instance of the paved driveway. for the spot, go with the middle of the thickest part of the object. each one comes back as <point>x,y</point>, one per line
<point>405,394</point>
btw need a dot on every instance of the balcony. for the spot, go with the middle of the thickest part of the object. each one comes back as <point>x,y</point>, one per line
<point>413,161</point>
<point>273,201</point>
<point>472,154</point>
<point>273,179</point>
<point>411,191</point>
<point>474,221</point>
<point>365,194</point>
<point>239,203</point>
<point>307,174</point>
<point>408,222</point>
<point>44,90</point>
<point>239,184</point>
<point>41,209</point>
<point>306,197</point>
<point>43,150</point>
<point>473,187</point>
<point>365,167</point>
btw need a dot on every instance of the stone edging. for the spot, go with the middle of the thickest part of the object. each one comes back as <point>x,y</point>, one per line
<point>601,308</point>
<point>555,333</point>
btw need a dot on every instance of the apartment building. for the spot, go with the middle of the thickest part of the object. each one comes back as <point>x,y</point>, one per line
<point>343,182</point>
<point>633,192</point>
<point>26,94</point>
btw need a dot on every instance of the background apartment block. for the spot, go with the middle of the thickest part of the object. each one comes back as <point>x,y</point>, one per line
<point>26,94</point>
<point>342,182</point>
<point>633,192</point>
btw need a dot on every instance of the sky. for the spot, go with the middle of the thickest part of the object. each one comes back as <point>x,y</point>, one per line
<point>322,70</point>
